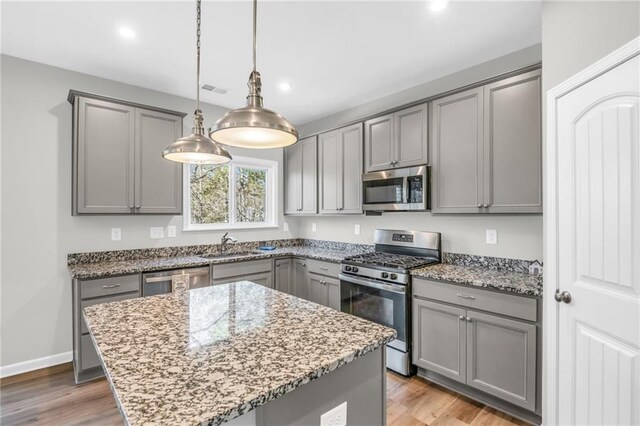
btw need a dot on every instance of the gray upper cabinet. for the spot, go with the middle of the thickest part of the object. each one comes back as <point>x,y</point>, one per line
<point>457,143</point>
<point>340,158</point>
<point>513,149</point>
<point>301,177</point>
<point>397,140</point>
<point>486,147</point>
<point>117,163</point>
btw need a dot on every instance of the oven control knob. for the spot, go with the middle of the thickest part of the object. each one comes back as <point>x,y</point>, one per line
<point>394,276</point>
<point>385,275</point>
<point>347,268</point>
<point>354,269</point>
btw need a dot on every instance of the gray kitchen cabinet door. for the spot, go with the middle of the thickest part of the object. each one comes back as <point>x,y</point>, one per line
<point>300,278</point>
<point>158,181</point>
<point>332,289</point>
<point>103,163</point>
<point>292,179</point>
<point>501,358</point>
<point>309,175</point>
<point>350,190</point>
<point>283,279</point>
<point>457,144</point>
<point>379,149</point>
<point>439,338</point>
<point>513,145</point>
<point>329,157</point>
<point>411,136</point>
<point>262,278</point>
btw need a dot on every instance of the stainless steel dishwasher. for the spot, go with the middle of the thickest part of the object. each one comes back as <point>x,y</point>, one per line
<point>176,279</point>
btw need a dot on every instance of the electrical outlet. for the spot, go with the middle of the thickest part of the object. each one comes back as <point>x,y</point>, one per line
<point>285,228</point>
<point>314,228</point>
<point>156,232</point>
<point>171,231</point>
<point>116,234</point>
<point>356,229</point>
<point>335,417</point>
<point>492,236</point>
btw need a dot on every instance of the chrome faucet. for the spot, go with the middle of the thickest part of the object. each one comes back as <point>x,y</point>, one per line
<point>226,240</point>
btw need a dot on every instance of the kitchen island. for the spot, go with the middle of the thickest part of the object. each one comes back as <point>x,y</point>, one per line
<point>239,352</point>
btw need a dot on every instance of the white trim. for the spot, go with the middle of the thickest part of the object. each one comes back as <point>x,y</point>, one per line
<point>550,315</point>
<point>35,364</point>
<point>271,207</point>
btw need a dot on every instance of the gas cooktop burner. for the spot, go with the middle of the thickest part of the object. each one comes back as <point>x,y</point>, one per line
<point>389,260</point>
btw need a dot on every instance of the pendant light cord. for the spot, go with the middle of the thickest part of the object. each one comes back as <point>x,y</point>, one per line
<point>255,26</point>
<point>198,56</point>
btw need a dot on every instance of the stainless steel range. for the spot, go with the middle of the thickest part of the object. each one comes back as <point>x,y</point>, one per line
<point>377,285</point>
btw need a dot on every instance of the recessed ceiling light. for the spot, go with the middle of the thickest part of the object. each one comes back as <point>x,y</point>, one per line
<point>284,86</point>
<point>127,32</point>
<point>437,5</point>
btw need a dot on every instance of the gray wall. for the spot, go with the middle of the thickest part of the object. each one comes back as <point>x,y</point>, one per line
<point>37,227</point>
<point>519,236</point>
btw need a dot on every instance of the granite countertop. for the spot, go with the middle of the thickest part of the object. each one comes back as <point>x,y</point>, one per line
<point>119,267</point>
<point>208,355</point>
<point>507,281</point>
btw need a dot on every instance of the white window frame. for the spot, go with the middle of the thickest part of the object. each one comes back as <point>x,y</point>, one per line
<point>271,191</point>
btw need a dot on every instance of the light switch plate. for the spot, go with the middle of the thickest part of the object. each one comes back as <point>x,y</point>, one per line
<point>335,417</point>
<point>285,227</point>
<point>171,231</point>
<point>116,234</point>
<point>156,232</point>
<point>314,228</point>
<point>492,236</point>
<point>356,229</point>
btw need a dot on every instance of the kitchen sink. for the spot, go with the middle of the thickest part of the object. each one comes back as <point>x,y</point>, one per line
<point>228,255</point>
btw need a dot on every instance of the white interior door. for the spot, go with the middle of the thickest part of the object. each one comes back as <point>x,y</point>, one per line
<point>598,249</point>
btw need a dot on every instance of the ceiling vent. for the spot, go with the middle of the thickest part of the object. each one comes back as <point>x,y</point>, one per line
<point>214,89</point>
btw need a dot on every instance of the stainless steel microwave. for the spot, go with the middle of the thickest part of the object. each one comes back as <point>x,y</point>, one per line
<point>405,189</point>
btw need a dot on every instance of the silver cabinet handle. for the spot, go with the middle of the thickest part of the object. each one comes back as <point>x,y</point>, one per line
<point>469,319</point>
<point>461,317</point>
<point>565,296</point>
<point>479,206</point>
<point>464,296</point>
<point>111,286</point>
<point>324,269</point>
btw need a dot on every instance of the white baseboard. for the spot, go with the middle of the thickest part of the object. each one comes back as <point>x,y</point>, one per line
<point>35,364</point>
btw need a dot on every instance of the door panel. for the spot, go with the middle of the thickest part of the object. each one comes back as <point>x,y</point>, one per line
<point>439,338</point>
<point>309,175</point>
<point>292,179</point>
<point>158,181</point>
<point>317,290</point>
<point>333,293</point>
<point>350,191</point>
<point>330,179</point>
<point>457,153</point>
<point>508,372</point>
<point>411,136</point>
<point>284,282</point>
<point>300,279</point>
<point>513,145</point>
<point>598,200</point>
<point>379,148</point>
<point>105,157</point>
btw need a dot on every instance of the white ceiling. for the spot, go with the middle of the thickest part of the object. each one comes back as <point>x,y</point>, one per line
<point>336,55</point>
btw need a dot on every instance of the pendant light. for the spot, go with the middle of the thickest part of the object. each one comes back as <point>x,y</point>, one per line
<point>197,148</point>
<point>254,126</point>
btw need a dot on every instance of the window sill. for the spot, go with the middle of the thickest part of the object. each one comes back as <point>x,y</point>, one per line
<point>228,227</point>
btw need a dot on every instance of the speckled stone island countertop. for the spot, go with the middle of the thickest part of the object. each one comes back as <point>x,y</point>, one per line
<point>208,355</point>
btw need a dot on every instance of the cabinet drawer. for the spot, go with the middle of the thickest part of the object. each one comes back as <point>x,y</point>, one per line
<point>485,300</point>
<point>240,269</point>
<point>91,302</point>
<point>112,285</point>
<point>88,354</point>
<point>323,268</point>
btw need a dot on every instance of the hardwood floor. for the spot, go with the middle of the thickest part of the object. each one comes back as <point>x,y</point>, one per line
<point>57,400</point>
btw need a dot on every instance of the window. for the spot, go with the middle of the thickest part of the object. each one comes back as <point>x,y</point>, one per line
<point>240,194</point>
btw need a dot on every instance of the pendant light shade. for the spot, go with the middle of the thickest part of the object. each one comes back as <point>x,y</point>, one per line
<point>197,148</point>
<point>254,126</point>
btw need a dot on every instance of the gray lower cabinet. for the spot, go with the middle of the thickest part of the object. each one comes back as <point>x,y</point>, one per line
<point>282,276</point>
<point>397,140</point>
<point>117,163</point>
<point>486,148</point>
<point>300,278</point>
<point>257,271</point>
<point>324,291</point>
<point>340,162</point>
<point>482,350</point>
<point>88,292</point>
<point>301,177</point>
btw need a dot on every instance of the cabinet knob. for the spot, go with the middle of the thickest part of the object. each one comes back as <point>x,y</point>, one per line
<point>479,206</point>
<point>461,317</point>
<point>137,207</point>
<point>131,206</point>
<point>469,319</point>
<point>486,205</point>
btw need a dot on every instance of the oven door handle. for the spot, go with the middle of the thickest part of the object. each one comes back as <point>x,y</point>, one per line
<point>400,289</point>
